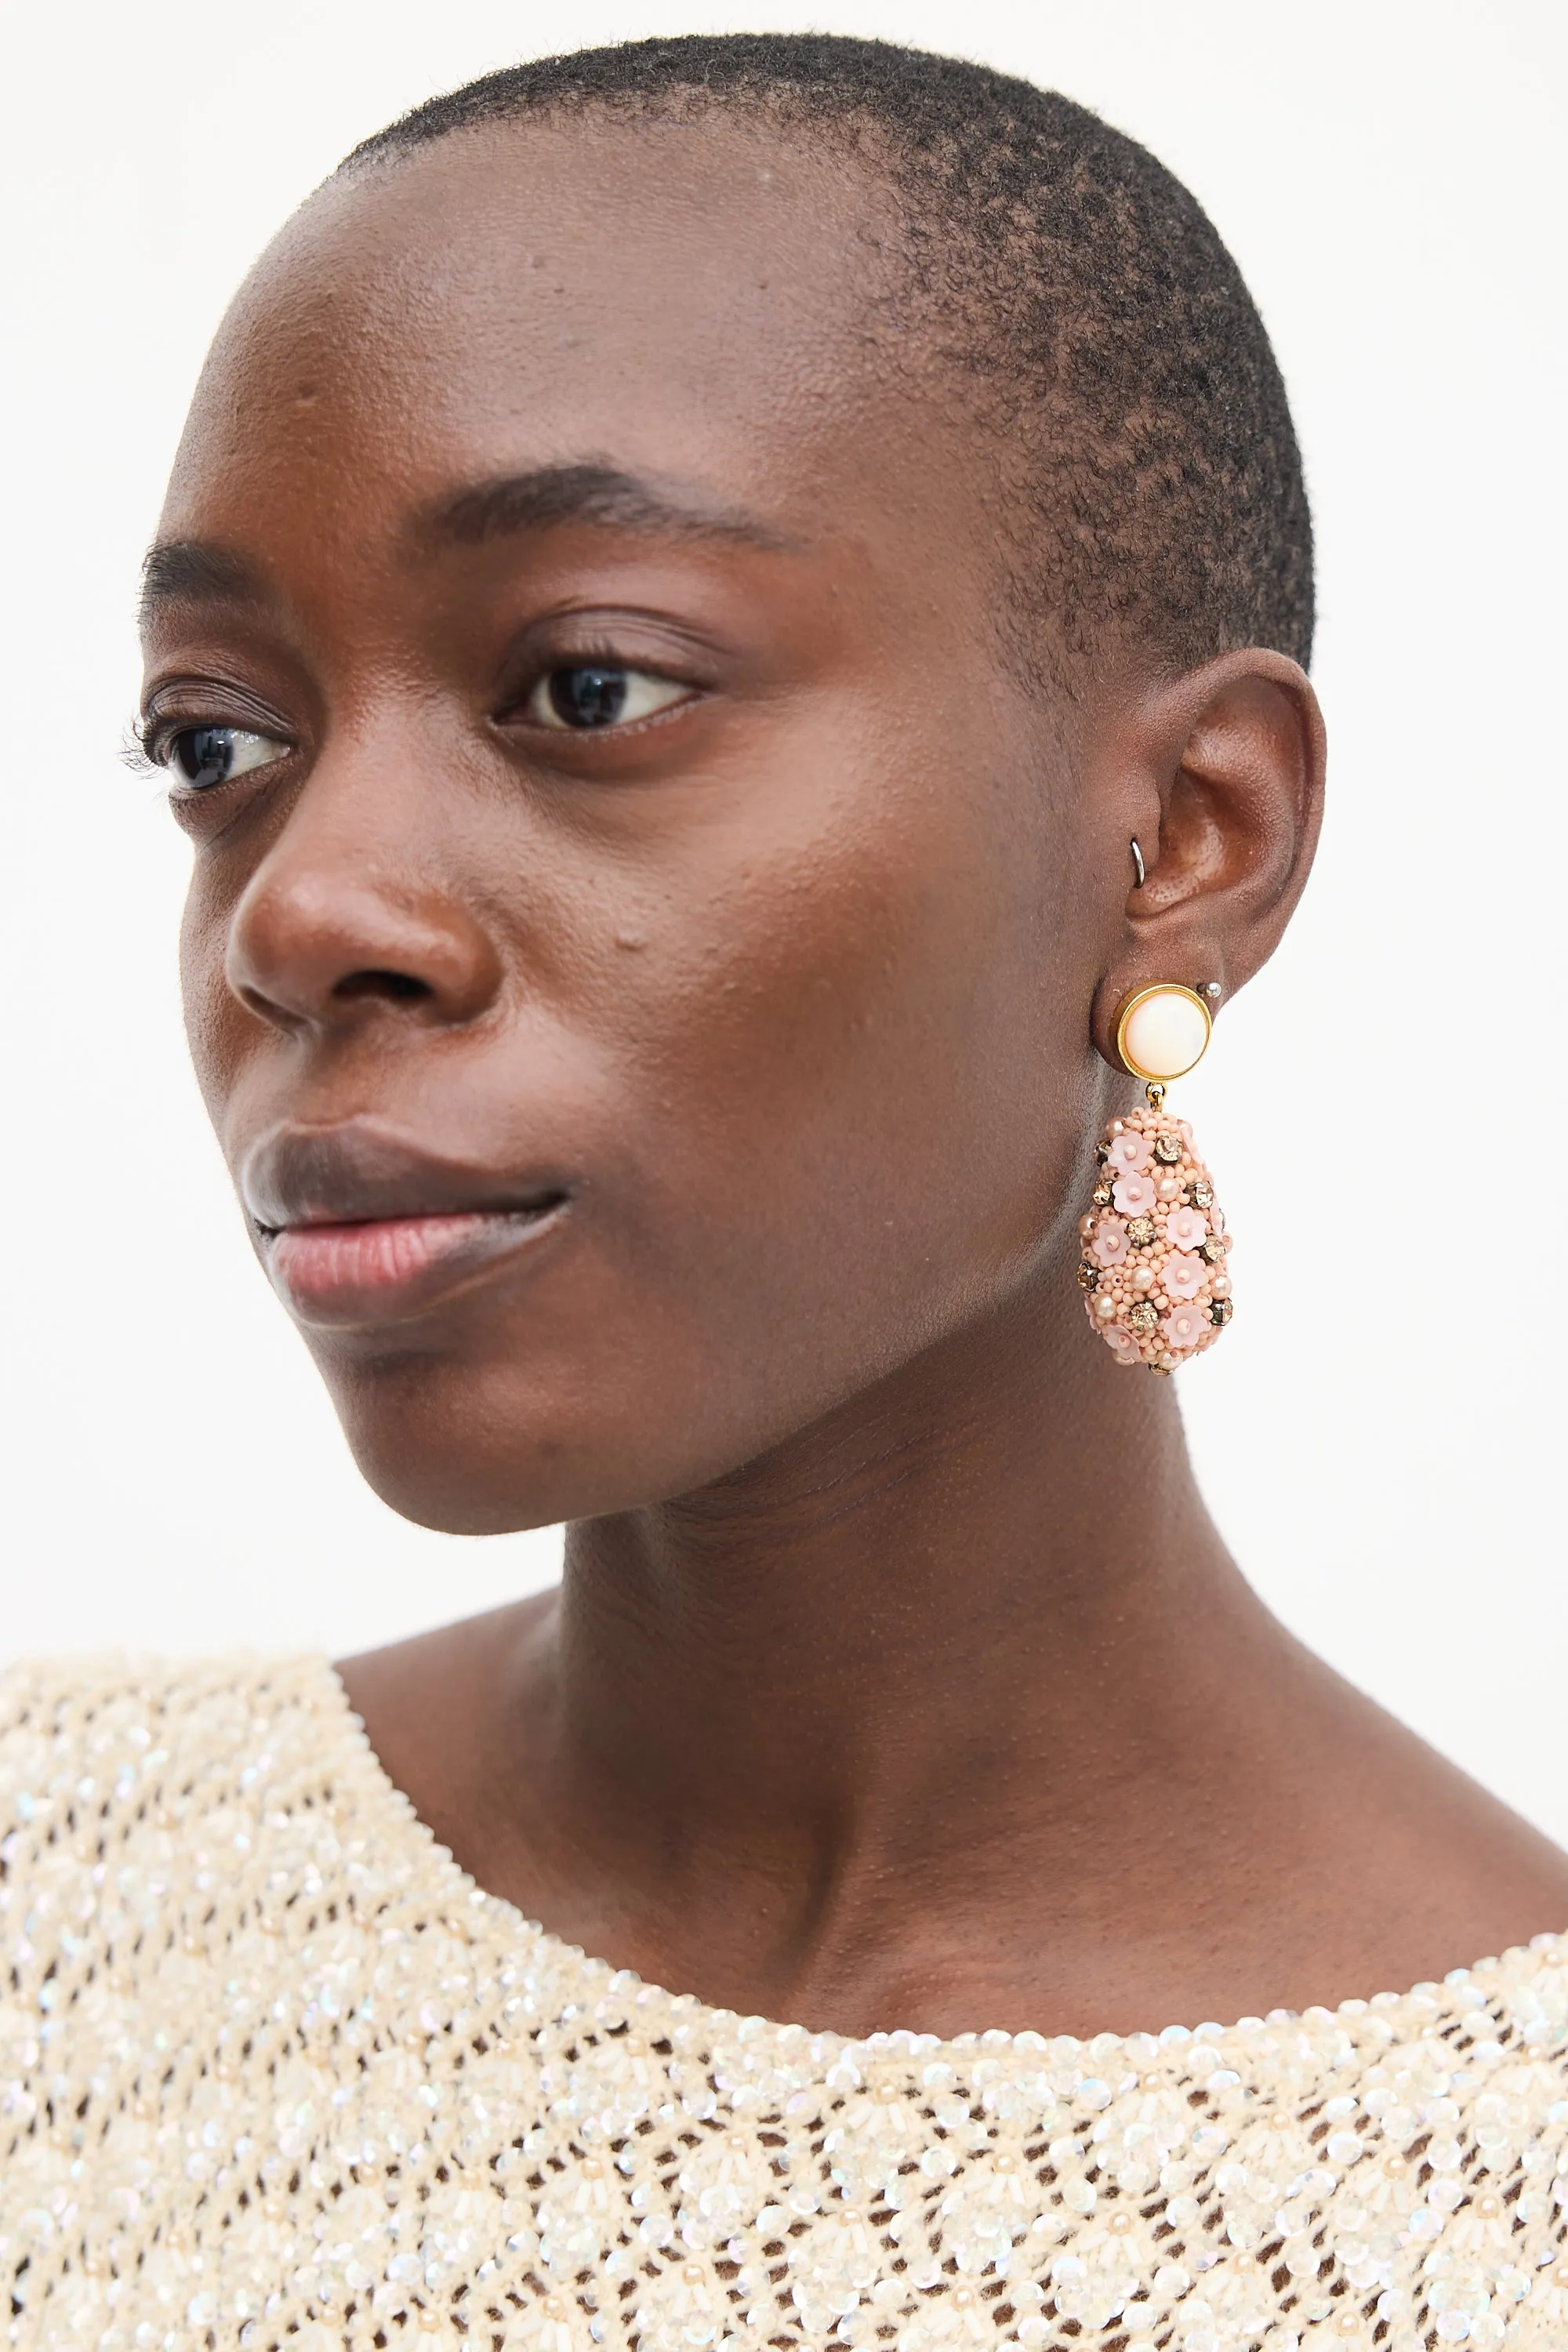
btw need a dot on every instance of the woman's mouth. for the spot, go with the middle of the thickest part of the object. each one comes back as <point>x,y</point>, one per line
<point>384,1269</point>
<point>359,1225</point>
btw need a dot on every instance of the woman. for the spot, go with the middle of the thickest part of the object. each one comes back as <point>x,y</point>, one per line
<point>725,609</point>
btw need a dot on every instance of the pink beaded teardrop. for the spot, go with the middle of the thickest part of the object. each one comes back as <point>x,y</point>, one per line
<point>1155,1271</point>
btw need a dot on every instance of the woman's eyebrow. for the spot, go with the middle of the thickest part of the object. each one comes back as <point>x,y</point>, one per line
<point>194,571</point>
<point>546,495</point>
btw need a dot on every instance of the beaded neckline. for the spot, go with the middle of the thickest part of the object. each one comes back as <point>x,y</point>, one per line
<point>1425,2007</point>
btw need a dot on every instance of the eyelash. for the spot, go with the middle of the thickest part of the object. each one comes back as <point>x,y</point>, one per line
<point>132,752</point>
<point>142,732</point>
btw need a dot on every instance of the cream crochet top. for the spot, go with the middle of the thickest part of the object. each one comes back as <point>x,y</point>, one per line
<point>275,2074</point>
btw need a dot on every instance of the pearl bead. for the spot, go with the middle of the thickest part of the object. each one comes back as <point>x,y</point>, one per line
<point>1166,1035</point>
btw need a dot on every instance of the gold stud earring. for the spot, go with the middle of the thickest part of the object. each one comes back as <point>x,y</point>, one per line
<point>1155,1269</point>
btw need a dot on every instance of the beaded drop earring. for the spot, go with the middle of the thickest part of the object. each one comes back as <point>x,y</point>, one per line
<point>1155,1271</point>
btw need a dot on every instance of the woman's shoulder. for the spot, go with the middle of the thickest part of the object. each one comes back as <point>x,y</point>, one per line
<point>98,1754</point>
<point>90,1704</point>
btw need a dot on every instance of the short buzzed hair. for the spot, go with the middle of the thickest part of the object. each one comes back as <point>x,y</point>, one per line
<point>1153,484</point>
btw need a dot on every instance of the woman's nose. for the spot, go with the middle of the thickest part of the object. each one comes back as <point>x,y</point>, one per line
<point>351,915</point>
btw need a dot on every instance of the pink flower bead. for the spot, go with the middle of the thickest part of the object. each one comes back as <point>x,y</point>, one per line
<point>1128,1152</point>
<point>1123,1345</point>
<point>1109,1242</point>
<point>1185,1228</point>
<point>1135,1195</point>
<point>1181,1277</point>
<point>1185,1327</point>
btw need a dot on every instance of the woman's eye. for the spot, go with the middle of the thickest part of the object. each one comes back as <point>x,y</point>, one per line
<point>198,757</point>
<point>601,694</point>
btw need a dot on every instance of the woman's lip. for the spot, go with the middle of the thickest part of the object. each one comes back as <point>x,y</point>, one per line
<point>386,1269</point>
<point>361,1171</point>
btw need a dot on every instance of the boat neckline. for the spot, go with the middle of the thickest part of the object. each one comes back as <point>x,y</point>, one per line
<point>1424,2008</point>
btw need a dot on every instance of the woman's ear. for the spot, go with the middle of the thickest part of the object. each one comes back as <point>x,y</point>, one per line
<point>1218,777</point>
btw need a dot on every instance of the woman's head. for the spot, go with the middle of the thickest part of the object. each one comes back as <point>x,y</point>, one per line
<point>686,568</point>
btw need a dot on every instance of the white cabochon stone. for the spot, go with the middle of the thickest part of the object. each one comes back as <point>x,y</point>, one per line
<point>1166,1035</point>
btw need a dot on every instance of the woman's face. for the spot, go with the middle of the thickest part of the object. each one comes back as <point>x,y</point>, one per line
<point>638,957</point>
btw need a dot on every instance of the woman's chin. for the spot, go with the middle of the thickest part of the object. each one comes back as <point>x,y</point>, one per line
<point>493,1425</point>
<point>463,1463</point>
<point>452,1482</point>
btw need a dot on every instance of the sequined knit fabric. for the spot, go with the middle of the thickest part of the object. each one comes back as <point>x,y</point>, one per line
<point>274,2075</point>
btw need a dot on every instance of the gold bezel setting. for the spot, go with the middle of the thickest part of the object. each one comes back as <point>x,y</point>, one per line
<point>1141,996</point>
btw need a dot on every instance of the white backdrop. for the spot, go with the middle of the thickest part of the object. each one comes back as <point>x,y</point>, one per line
<point>1379,1433</point>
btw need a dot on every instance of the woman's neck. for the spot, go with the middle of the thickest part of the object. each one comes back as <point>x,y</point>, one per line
<point>950,1712</point>
<point>913,1616</point>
